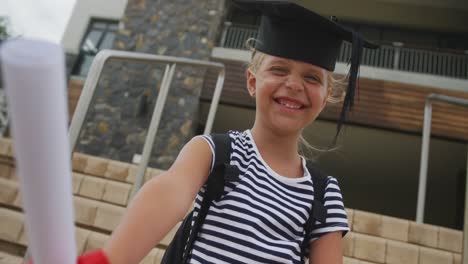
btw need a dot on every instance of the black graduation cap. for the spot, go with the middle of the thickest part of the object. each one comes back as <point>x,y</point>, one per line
<point>291,31</point>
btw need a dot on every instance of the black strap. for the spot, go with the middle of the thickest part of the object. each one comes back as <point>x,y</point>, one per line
<point>221,173</point>
<point>318,212</point>
<point>319,180</point>
<point>218,176</point>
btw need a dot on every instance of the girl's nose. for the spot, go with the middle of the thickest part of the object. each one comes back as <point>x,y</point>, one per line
<point>295,83</point>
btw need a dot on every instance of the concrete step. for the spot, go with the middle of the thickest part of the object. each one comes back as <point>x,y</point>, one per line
<point>366,248</point>
<point>81,163</point>
<point>6,258</point>
<point>12,231</point>
<point>347,260</point>
<point>110,169</point>
<point>89,213</point>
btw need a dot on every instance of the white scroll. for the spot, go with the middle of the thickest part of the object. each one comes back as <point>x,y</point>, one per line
<point>34,79</point>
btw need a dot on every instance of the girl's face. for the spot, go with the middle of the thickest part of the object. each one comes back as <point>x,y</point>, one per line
<point>289,94</point>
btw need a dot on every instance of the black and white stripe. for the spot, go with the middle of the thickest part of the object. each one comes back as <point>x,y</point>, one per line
<point>261,217</point>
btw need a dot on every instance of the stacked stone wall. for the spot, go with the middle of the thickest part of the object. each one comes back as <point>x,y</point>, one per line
<point>119,117</point>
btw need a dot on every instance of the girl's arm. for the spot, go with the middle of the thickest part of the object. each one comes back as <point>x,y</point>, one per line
<point>160,204</point>
<point>327,249</point>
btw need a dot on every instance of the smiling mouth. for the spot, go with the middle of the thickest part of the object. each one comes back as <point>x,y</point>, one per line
<point>289,104</point>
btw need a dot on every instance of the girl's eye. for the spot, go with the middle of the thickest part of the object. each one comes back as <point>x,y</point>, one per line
<point>313,78</point>
<point>279,71</point>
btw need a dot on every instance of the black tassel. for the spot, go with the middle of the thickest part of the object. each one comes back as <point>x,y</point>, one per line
<point>353,75</point>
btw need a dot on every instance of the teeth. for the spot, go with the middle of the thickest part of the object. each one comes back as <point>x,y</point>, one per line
<point>289,105</point>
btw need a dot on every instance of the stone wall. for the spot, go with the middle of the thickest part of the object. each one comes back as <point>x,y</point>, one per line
<point>119,116</point>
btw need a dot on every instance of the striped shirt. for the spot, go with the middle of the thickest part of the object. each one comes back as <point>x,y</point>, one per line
<point>261,217</point>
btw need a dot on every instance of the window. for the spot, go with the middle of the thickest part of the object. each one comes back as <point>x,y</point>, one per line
<point>100,35</point>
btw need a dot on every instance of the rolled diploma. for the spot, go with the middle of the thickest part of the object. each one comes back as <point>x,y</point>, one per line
<point>34,79</point>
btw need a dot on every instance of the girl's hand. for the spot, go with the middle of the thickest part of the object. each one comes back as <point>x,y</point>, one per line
<point>94,257</point>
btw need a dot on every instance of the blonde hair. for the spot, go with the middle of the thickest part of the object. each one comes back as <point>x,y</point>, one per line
<point>337,92</point>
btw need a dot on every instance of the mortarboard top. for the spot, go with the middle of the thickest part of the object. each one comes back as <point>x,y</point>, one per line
<point>291,31</point>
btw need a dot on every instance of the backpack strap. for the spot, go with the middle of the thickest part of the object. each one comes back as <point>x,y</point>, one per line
<point>318,212</point>
<point>222,170</point>
<point>221,173</point>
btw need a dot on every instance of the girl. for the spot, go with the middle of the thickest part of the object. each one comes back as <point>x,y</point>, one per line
<point>261,217</point>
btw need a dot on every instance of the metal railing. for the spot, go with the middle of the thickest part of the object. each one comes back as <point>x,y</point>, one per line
<point>92,80</point>
<point>235,36</point>
<point>424,163</point>
<point>394,56</point>
<point>437,63</point>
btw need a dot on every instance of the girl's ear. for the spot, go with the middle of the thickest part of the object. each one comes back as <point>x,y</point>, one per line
<point>251,82</point>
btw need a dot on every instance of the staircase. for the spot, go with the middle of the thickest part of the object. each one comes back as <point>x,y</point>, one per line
<point>101,190</point>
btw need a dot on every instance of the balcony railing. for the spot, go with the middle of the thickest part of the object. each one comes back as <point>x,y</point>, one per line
<point>235,36</point>
<point>394,56</point>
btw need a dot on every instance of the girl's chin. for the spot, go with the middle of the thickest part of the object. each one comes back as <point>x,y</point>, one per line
<point>288,127</point>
